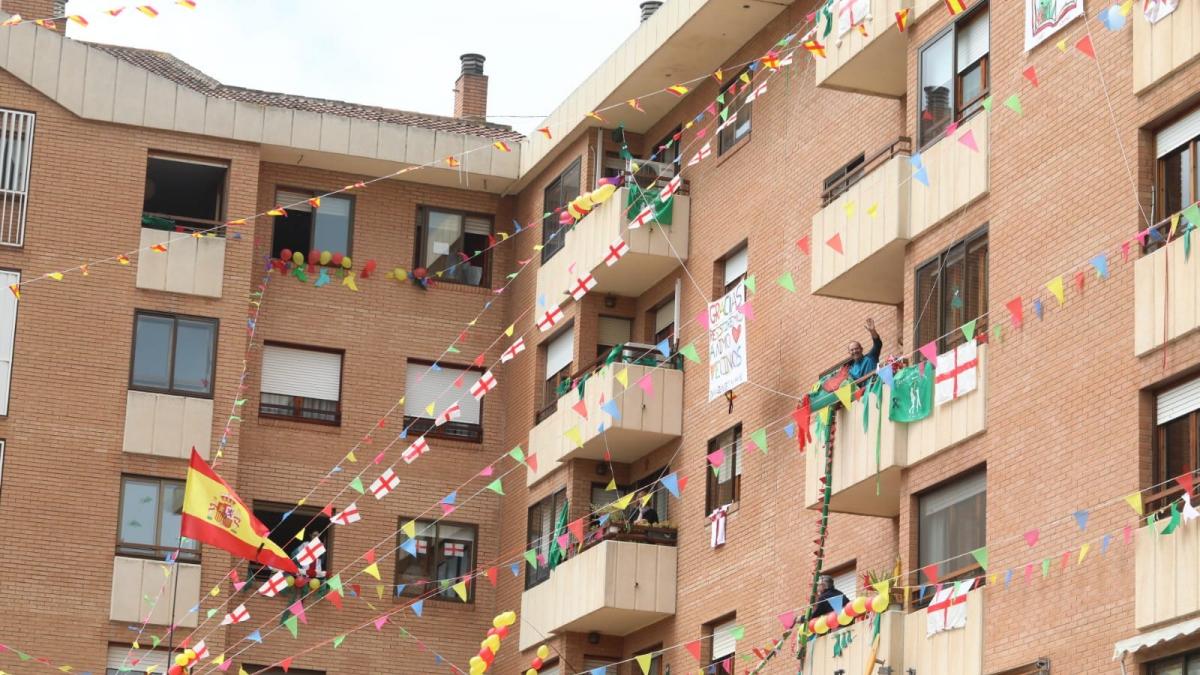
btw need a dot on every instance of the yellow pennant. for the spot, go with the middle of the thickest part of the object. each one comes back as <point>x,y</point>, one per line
<point>57,276</point>
<point>612,485</point>
<point>646,498</point>
<point>843,394</point>
<point>509,331</point>
<point>575,437</point>
<point>461,589</point>
<point>410,529</point>
<point>1062,46</point>
<point>1174,226</point>
<point>1126,7</point>
<point>219,660</point>
<point>623,502</point>
<point>1083,551</point>
<point>242,671</point>
<point>873,210</point>
<point>379,591</point>
<point>373,570</point>
<point>1056,287</point>
<point>623,377</point>
<point>351,458</point>
<point>300,535</point>
<point>429,409</point>
<point>537,247</point>
<point>1135,502</point>
<point>135,645</point>
<point>216,590</point>
<point>849,207</point>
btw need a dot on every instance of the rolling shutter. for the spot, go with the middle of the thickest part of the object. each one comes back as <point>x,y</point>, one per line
<point>1178,133</point>
<point>302,372</point>
<point>736,264</point>
<point>944,498</point>
<point>145,658</point>
<point>664,316</point>
<point>477,225</point>
<point>972,41</point>
<point>425,385</point>
<point>723,643</point>
<point>845,582</point>
<point>8,331</point>
<point>294,201</point>
<point>560,352</point>
<point>1172,403</point>
<point>605,665</point>
<point>614,331</point>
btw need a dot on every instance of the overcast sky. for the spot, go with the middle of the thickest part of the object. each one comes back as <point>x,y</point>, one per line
<point>393,53</point>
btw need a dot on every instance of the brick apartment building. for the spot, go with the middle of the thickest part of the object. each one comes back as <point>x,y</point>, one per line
<point>945,208</point>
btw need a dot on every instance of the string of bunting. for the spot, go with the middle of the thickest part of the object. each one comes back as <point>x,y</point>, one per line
<point>81,21</point>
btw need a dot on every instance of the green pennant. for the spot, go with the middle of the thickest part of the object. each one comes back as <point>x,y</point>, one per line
<point>1192,213</point>
<point>512,276</point>
<point>292,624</point>
<point>752,284</point>
<point>987,104</point>
<point>335,583</point>
<point>1045,568</point>
<point>403,632</point>
<point>337,641</point>
<point>155,641</point>
<point>211,612</point>
<point>452,350</point>
<point>997,333</point>
<point>1014,103</point>
<point>787,282</point>
<point>22,655</point>
<point>760,439</point>
<point>689,353</point>
<point>721,98</point>
<point>531,558</point>
<point>968,329</point>
<point>517,453</point>
<point>738,632</point>
<point>1187,244</point>
<point>240,401</point>
<point>981,557</point>
<point>496,487</point>
<point>357,485</point>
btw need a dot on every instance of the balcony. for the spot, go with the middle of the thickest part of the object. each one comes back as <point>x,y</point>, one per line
<point>1167,585</point>
<point>646,422</point>
<point>1161,48</point>
<point>649,259</point>
<point>957,174</point>
<point>875,64</point>
<point>167,425</point>
<point>958,651</point>
<point>856,657</point>
<point>613,588</point>
<point>953,422</point>
<point>868,209</point>
<point>1165,299</point>
<point>854,488</point>
<point>135,579</point>
<point>191,265</point>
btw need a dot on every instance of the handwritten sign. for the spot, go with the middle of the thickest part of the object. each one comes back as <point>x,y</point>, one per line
<point>727,342</point>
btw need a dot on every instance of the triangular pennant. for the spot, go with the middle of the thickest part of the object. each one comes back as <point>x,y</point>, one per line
<point>981,557</point>
<point>1056,288</point>
<point>689,352</point>
<point>496,486</point>
<point>835,242</point>
<point>968,329</point>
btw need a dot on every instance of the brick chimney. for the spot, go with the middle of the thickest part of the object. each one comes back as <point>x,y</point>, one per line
<point>471,90</point>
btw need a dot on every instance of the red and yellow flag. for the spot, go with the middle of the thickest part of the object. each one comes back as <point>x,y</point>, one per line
<point>635,104</point>
<point>277,211</point>
<point>450,160</point>
<point>186,3</point>
<point>314,202</point>
<point>14,20</point>
<point>82,22</point>
<point>815,48</point>
<point>215,515</point>
<point>902,19</point>
<point>545,131</point>
<point>148,11</point>
<point>502,146</point>
<point>115,11</point>
<point>956,7</point>
<point>678,89</point>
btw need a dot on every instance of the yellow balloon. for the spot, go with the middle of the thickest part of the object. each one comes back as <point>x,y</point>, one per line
<point>844,619</point>
<point>346,264</point>
<point>478,670</point>
<point>326,256</point>
<point>602,193</point>
<point>509,618</point>
<point>498,621</point>
<point>584,202</point>
<point>543,652</point>
<point>821,628</point>
<point>290,581</point>
<point>531,671</point>
<point>860,605</point>
<point>298,258</point>
<point>493,643</point>
<point>880,603</point>
<point>181,660</point>
<point>574,211</point>
<point>476,662</point>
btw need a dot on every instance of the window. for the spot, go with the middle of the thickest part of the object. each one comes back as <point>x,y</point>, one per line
<point>559,352</point>
<point>455,244</point>
<point>441,385</point>
<point>16,151</point>
<point>1176,148</point>
<point>720,642</point>
<point>954,74</point>
<point>551,667</point>
<point>605,665</point>
<point>1184,664</point>
<point>837,183</point>
<point>1,463</point>
<point>284,522</point>
<point>737,125</point>
<point>666,151</point>
<point>543,516</point>
<point>445,555</point>
<point>725,488</point>
<point>173,354</point>
<point>8,334</point>
<point>1176,437</point>
<point>664,321</point>
<point>951,289</point>
<point>302,384</point>
<point>659,501</point>
<point>845,580</point>
<point>122,657</point>
<point>612,331</point>
<point>953,522</point>
<point>184,194</point>
<point>557,195</point>
<point>328,227</point>
<point>151,515</point>
<point>734,267</point>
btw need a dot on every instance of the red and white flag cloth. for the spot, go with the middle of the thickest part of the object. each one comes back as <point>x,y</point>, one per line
<point>948,610</point>
<point>717,529</point>
<point>347,516</point>
<point>274,585</point>
<point>310,552</point>
<point>957,372</point>
<point>616,251</point>
<point>485,384</point>
<point>729,122</point>
<point>236,616</point>
<point>642,218</point>
<point>671,188</point>
<point>758,91</point>
<point>512,351</point>
<point>418,448</point>
<point>201,650</point>
<point>582,286</point>
<point>448,415</point>
<point>553,316</point>
<point>704,153</point>
<point>454,550</point>
<point>383,485</point>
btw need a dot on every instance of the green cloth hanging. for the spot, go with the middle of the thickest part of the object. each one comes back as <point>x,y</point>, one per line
<point>557,554</point>
<point>912,394</point>
<point>639,199</point>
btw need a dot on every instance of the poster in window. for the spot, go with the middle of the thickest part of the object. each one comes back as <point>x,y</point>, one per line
<point>1044,18</point>
<point>1156,10</point>
<point>727,342</point>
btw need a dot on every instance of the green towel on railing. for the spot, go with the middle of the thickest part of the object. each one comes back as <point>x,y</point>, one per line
<point>639,199</point>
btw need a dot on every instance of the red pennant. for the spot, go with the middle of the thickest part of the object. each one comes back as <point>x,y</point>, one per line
<point>458,381</point>
<point>478,361</point>
<point>1017,311</point>
<point>531,462</point>
<point>805,244</point>
<point>1066,559</point>
<point>462,337</point>
<point>835,242</point>
<point>491,575</point>
<point>335,598</point>
<point>1079,276</point>
<point>1085,45</point>
<point>286,664</point>
<point>327,511</point>
<point>1030,74</point>
<point>575,527</point>
<point>581,408</point>
<point>682,483</point>
<point>802,416</point>
<point>929,351</point>
<point>369,556</point>
<point>931,572</point>
<point>1187,481</point>
<point>357,589</point>
<point>693,648</point>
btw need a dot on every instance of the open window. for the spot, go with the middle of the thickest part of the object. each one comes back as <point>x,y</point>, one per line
<point>284,522</point>
<point>724,486</point>
<point>952,288</point>
<point>1176,440</point>
<point>184,194</point>
<point>954,79</point>
<point>559,355</point>
<point>556,196</point>
<point>664,320</point>
<point>717,641</point>
<point>318,225</point>
<point>453,245</point>
<point>733,268</point>
<point>952,523</point>
<point>445,387</point>
<point>445,555</point>
<point>610,332</point>
<point>150,519</point>
<point>301,384</point>
<point>8,335</point>
<point>540,531</point>
<point>1176,148</point>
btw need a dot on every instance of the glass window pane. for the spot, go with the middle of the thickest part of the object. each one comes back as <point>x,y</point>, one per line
<point>947,534</point>
<point>1171,667</point>
<point>1174,177</point>
<point>455,557</point>
<point>171,513</point>
<point>139,508</point>
<point>925,302</point>
<point>937,86</point>
<point>332,230</point>
<point>194,356</point>
<point>152,351</point>
<point>442,236</point>
<point>1178,451</point>
<point>972,84</point>
<point>953,297</point>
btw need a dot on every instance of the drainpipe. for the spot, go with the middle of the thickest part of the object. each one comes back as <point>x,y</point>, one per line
<point>599,158</point>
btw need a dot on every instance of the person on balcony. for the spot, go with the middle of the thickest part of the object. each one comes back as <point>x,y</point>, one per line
<point>826,592</point>
<point>861,364</point>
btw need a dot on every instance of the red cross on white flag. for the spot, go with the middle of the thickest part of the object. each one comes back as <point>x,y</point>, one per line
<point>616,251</point>
<point>310,552</point>
<point>514,349</point>
<point>582,286</point>
<point>455,550</point>
<point>448,415</point>
<point>347,516</point>
<point>274,585</point>
<point>418,448</point>
<point>486,383</point>
<point>956,372</point>
<point>553,316</point>
<point>670,189</point>
<point>383,485</point>
<point>642,218</point>
<point>705,152</point>
<point>948,610</point>
<point>236,616</point>
<point>201,650</point>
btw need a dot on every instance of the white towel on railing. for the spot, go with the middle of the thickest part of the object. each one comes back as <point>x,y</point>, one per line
<point>717,518</point>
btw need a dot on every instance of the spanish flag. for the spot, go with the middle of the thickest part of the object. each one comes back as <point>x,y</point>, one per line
<point>215,515</point>
<point>956,7</point>
<point>677,89</point>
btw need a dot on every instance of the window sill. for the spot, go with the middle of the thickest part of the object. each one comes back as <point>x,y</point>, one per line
<point>730,152</point>
<point>298,420</point>
<point>440,284</point>
<point>293,423</point>
<point>168,392</point>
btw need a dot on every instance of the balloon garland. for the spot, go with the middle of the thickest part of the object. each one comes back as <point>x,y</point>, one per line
<point>543,653</point>
<point>491,644</point>
<point>851,611</point>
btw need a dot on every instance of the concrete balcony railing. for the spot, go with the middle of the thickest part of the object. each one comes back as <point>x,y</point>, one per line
<point>135,579</point>
<point>647,421</point>
<point>1167,584</point>
<point>1165,297</point>
<point>167,425</point>
<point>856,657</point>
<point>868,210</point>
<point>612,588</point>
<point>192,265</point>
<point>1163,47</point>
<point>875,64</point>
<point>958,651</point>
<point>958,175</point>
<point>854,488</point>
<point>652,255</point>
<point>953,422</point>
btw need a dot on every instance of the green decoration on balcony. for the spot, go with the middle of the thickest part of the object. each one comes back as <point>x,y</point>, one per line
<point>912,394</point>
<point>638,199</point>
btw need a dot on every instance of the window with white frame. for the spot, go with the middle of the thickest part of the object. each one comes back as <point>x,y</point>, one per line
<point>454,413</point>
<point>16,151</point>
<point>302,384</point>
<point>953,522</point>
<point>1,464</point>
<point>722,644</point>
<point>1176,147</point>
<point>8,333</point>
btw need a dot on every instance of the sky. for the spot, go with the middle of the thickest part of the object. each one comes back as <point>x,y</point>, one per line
<point>393,53</point>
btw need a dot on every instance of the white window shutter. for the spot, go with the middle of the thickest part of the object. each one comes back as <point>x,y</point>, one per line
<point>294,201</point>
<point>560,352</point>
<point>124,656</point>
<point>16,152</point>
<point>943,498</point>
<point>846,582</point>
<point>425,385</point>
<point>301,372</point>
<point>8,328</point>
<point>1172,403</point>
<point>1175,135</point>
<point>736,264</point>
<point>723,643</point>
<point>972,41</point>
<point>664,316</point>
